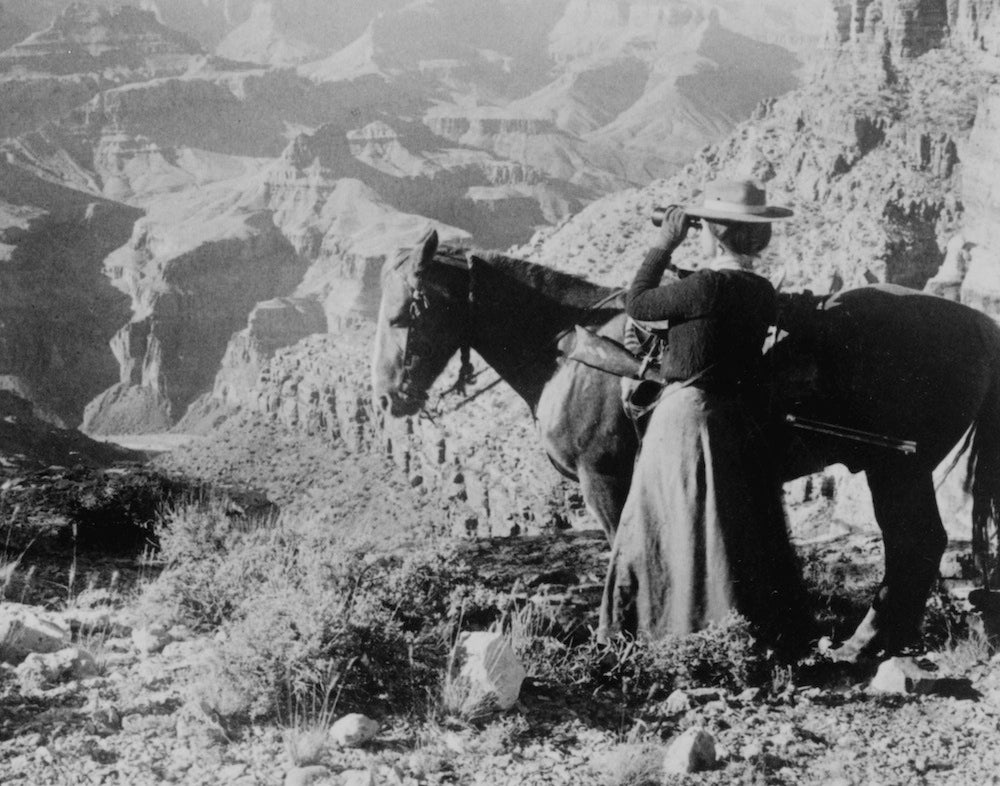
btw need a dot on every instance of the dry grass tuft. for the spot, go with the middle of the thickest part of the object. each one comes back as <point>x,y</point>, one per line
<point>310,716</point>
<point>962,653</point>
<point>632,764</point>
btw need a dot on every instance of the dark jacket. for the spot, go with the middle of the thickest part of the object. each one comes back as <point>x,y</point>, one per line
<point>718,321</point>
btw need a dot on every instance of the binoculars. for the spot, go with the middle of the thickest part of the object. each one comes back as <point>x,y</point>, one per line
<point>660,212</point>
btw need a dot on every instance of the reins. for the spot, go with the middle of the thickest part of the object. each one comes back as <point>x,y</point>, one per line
<point>537,355</point>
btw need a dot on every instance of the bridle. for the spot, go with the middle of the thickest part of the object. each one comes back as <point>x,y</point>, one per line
<point>467,374</point>
<point>419,304</point>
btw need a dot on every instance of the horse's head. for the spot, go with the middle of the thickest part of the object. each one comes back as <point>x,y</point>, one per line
<point>422,322</point>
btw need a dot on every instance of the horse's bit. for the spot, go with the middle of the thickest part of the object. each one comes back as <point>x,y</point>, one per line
<point>419,304</point>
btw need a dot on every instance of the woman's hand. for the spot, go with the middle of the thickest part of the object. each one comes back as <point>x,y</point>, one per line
<point>674,228</point>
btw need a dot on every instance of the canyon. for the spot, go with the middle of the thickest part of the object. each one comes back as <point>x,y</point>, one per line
<point>214,202</point>
<point>257,165</point>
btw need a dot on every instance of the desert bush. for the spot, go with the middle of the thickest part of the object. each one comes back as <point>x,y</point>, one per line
<point>724,655</point>
<point>201,584</point>
<point>945,621</point>
<point>300,612</point>
<point>839,592</point>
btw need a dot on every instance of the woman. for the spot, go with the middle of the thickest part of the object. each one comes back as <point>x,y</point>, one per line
<point>703,533</point>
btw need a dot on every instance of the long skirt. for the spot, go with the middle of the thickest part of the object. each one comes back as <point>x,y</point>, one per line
<point>703,532</point>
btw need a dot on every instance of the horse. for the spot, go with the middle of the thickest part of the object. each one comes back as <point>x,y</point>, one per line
<point>885,360</point>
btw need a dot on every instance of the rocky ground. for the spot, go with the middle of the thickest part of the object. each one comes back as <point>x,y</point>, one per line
<point>131,712</point>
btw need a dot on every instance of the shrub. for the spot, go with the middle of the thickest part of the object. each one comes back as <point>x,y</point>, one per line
<point>108,510</point>
<point>945,621</point>
<point>301,612</point>
<point>725,654</point>
<point>201,585</point>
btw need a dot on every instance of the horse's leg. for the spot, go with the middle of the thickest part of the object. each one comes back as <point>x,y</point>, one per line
<point>914,540</point>
<point>605,497</point>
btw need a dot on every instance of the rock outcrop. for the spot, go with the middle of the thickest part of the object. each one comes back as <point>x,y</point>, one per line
<point>28,443</point>
<point>281,185</point>
<point>885,155</point>
<point>273,324</point>
<point>179,330</point>
<point>57,310</point>
<point>91,39</point>
<point>981,222</point>
<point>267,36</point>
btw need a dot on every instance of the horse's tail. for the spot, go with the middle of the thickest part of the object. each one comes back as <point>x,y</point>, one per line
<point>983,477</point>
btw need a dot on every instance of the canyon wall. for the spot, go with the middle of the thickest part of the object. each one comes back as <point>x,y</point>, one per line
<point>57,310</point>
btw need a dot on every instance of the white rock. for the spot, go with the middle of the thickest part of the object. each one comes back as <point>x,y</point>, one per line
<point>26,629</point>
<point>305,776</point>
<point>485,664</point>
<point>150,639</point>
<point>677,702</point>
<point>693,751</point>
<point>455,743</point>
<point>903,675</point>
<point>353,730</point>
<point>72,663</point>
<point>357,778</point>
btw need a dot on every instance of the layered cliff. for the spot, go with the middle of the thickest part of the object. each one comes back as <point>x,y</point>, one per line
<point>257,183</point>
<point>92,39</point>
<point>267,36</point>
<point>882,154</point>
<point>57,310</point>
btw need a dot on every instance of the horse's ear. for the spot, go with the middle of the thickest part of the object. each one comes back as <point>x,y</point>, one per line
<point>427,249</point>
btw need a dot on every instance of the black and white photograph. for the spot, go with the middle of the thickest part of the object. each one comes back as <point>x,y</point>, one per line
<point>499,392</point>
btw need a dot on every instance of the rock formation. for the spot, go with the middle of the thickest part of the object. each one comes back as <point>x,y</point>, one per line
<point>29,444</point>
<point>258,183</point>
<point>91,39</point>
<point>881,153</point>
<point>57,310</point>
<point>886,155</point>
<point>266,37</point>
<point>981,221</point>
<point>169,351</point>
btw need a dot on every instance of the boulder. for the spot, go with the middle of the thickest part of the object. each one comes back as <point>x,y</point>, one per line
<point>904,675</point>
<point>693,751</point>
<point>485,668</point>
<point>39,670</point>
<point>677,702</point>
<point>353,730</point>
<point>25,630</point>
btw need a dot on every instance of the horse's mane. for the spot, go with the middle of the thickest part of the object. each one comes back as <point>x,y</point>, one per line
<point>570,290</point>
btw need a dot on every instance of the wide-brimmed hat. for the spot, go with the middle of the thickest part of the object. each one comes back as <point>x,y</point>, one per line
<point>736,200</point>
